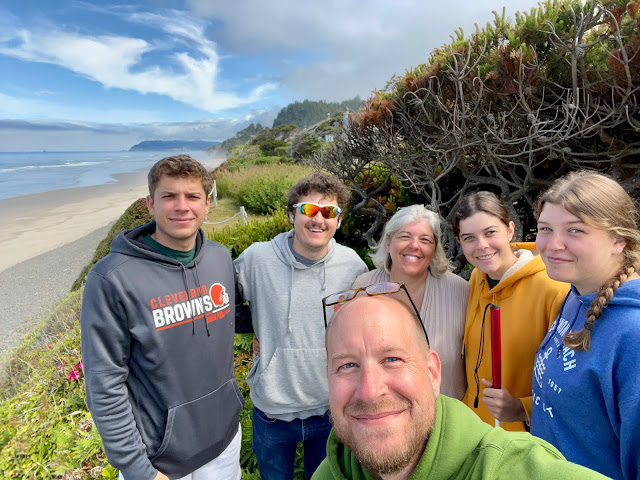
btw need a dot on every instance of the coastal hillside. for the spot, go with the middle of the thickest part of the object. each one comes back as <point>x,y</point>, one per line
<point>306,113</point>
<point>305,116</point>
<point>176,145</point>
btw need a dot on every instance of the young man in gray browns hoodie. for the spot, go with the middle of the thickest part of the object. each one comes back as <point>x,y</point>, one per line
<point>157,328</point>
<point>284,281</point>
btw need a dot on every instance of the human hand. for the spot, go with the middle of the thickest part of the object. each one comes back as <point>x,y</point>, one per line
<point>256,346</point>
<point>502,405</point>
<point>161,476</point>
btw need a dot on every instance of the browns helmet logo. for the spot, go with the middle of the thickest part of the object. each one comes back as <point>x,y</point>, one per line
<point>218,295</point>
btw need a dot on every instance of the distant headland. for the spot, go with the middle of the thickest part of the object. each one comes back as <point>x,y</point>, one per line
<point>172,145</point>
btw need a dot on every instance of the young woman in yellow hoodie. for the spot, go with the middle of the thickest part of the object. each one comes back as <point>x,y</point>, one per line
<point>513,278</point>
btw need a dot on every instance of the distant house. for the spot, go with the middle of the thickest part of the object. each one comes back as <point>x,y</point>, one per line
<point>328,137</point>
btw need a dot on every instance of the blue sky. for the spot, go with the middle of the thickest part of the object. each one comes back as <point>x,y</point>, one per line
<point>80,75</point>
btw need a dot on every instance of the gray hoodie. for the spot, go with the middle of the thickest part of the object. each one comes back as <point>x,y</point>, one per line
<point>157,348</point>
<point>289,380</point>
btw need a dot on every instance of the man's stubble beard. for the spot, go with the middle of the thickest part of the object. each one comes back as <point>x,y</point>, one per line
<point>416,439</point>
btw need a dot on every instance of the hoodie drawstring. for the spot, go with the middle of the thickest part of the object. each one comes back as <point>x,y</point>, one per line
<point>324,276</point>
<point>480,355</point>
<point>185,279</point>
<point>206,324</point>
<point>290,300</point>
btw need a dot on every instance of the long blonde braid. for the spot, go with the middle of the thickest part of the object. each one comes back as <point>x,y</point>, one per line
<point>581,340</point>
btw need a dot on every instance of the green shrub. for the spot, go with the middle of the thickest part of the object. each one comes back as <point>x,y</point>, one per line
<point>136,214</point>
<point>243,362</point>
<point>305,146</point>
<point>230,179</point>
<point>263,189</point>
<point>270,145</point>
<point>242,156</point>
<point>238,237</point>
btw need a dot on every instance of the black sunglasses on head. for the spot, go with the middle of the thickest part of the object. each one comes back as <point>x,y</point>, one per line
<point>371,290</point>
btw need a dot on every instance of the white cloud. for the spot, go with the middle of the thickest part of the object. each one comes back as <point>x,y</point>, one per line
<point>115,61</point>
<point>358,45</point>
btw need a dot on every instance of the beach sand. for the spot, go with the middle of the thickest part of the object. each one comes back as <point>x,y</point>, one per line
<point>38,223</point>
<point>46,240</point>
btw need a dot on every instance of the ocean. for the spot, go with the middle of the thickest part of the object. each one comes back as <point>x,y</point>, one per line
<point>24,173</point>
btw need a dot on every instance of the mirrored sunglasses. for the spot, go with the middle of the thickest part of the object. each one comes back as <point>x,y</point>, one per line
<point>371,290</point>
<point>311,209</point>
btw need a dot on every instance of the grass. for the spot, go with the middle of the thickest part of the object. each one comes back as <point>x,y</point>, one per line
<point>226,208</point>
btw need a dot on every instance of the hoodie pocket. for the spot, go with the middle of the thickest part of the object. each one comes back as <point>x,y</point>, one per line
<point>199,430</point>
<point>293,378</point>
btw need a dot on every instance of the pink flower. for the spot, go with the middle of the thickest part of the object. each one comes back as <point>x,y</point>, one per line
<point>74,374</point>
<point>79,365</point>
<point>59,367</point>
<point>49,347</point>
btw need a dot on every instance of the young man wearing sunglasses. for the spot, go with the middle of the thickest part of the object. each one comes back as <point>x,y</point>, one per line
<point>284,281</point>
<point>389,419</point>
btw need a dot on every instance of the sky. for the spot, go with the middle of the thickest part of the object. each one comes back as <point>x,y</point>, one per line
<point>103,76</point>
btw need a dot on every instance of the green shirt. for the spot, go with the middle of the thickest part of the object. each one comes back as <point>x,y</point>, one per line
<point>183,257</point>
<point>462,446</point>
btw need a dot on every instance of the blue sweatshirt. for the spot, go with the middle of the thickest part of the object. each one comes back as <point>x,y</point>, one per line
<point>587,404</point>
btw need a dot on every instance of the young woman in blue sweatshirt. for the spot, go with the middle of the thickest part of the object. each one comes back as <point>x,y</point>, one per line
<point>586,387</point>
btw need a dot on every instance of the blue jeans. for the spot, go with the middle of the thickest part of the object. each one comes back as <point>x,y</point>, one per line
<point>275,441</point>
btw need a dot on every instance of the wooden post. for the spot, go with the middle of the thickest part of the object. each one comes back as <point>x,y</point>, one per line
<point>214,194</point>
<point>243,216</point>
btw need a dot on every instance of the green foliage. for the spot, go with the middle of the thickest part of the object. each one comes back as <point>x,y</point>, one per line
<point>270,145</point>
<point>261,188</point>
<point>238,237</point>
<point>239,158</point>
<point>46,429</point>
<point>306,113</point>
<point>274,139</point>
<point>305,145</point>
<point>510,108</point>
<point>240,138</point>
<point>391,194</point>
<point>136,214</point>
<point>383,191</point>
<point>243,362</point>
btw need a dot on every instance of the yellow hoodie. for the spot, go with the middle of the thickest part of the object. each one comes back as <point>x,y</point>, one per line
<point>529,303</point>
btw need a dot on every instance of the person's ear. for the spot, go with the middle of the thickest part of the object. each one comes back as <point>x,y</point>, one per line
<point>150,204</point>
<point>619,244</point>
<point>291,218</point>
<point>511,231</point>
<point>435,370</point>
